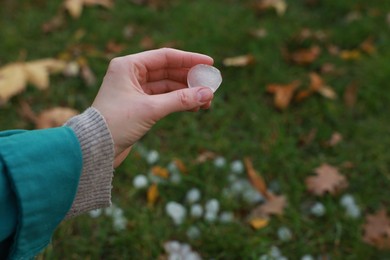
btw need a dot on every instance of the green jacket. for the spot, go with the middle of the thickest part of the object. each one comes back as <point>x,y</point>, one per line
<point>39,176</point>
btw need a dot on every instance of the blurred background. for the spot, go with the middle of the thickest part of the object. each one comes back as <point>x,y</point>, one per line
<point>291,161</point>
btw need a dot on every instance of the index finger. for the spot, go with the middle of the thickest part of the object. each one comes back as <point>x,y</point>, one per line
<point>170,58</point>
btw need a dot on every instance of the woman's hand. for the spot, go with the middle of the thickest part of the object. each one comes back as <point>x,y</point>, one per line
<point>140,89</point>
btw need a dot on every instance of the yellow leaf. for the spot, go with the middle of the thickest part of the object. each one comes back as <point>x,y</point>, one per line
<point>12,81</point>
<point>350,55</point>
<point>152,194</point>
<point>280,6</point>
<point>54,117</point>
<point>255,178</point>
<point>258,223</point>
<point>160,172</point>
<point>74,7</point>
<point>239,61</point>
<point>283,93</point>
<point>37,72</point>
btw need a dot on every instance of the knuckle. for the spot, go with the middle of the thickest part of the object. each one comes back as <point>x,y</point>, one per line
<point>183,98</point>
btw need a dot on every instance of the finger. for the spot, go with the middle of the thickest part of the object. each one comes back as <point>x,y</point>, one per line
<point>170,58</point>
<point>182,100</point>
<point>177,74</point>
<point>162,86</point>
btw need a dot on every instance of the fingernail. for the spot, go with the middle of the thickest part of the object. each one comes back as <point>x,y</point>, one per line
<point>204,95</point>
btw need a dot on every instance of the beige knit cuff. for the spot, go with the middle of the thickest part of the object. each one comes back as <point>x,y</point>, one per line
<point>94,190</point>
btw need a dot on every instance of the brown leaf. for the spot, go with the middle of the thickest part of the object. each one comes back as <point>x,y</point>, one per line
<point>239,61</point>
<point>327,179</point>
<point>152,194</point>
<point>259,222</point>
<point>283,93</point>
<point>377,230</point>
<point>255,178</point>
<point>368,46</point>
<point>280,6</point>
<point>147,43</point>
<point>114,47</point>
<point>13,80</point>
<point>335,139</point>
<point>318,85</point>
<point>308,138</point>
<point>274,205</point>
<point>205,156</point>
<point>180,165</point>
<point>160,172</point>
<point>75,7</point>
<point>54,24</point>
<point>350,95</point>
<point>304,56</point>
<point>54,117</point>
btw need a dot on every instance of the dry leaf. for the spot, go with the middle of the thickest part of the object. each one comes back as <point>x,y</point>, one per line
<point>255,178</point>
<point>75,7</point>
<point>13,80</point>
<point>160,172</point>
<point>180,165</point>
<point>335,139</point>
<point>350,95</point>
<point>114,47</point>
<point>15,76</point>
<point>327,179</point>
<point>258,223</point>
<point>368,46</point>
<point>283,93</point>
<point>318,85</point>
<point>152,194</point>
<point>304,56</point>
<point>54,24</point>
<point>205,156</point>
<point>377,230</point>
<point>54,117</point>
<point>308,138</point>
<point>239,61</point>
<point>274,205</point>
<point>147,43</point>
<point>280,6</point>
<point>350,54</point>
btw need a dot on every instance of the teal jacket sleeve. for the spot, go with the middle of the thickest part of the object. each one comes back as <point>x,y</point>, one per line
<point>39,176</point>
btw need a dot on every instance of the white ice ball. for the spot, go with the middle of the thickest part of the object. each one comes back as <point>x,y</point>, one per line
<point>212,206</point>
<point>196,211</point>
<point>237,166</point>
<point>193,195</point>
<point>140,181</point>
<point>176,211</point>
<point>318,209</point>
<point>203,75</point>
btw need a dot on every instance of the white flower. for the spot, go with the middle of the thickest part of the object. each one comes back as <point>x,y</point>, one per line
<point>95,213</point>
<point>237,167</point>
<point>152,157</point>
<point>176,211</point>
<point>226,217</point>
<point>318,209</point>
<point>193,195</point>
<point>307,257</point>
<point>196,211</point>
<point>193,232</point>
<point>219,162</point>
<point>140,181</point>
<point>284,234</point>
<point>212,206</point>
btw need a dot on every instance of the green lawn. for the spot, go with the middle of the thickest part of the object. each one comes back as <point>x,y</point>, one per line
<point>242,122</point>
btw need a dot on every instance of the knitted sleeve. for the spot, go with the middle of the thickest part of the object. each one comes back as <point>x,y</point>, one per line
<point>94,190</point>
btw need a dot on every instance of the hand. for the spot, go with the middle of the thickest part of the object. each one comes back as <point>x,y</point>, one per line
<point>140,89</point>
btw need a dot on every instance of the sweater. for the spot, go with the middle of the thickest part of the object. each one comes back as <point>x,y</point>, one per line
<point>49,175</point>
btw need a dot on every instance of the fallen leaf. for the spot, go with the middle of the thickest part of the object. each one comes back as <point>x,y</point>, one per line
<point>152,194</point>
<point>57,22</point>
<point>327,179</point>
<point>258,223</point>
<point>54,117</point>
<point>147,43</point>
<point>160,172</point>
<point>280,6</point>
<point>274,205</point>
<point>205,156</point>
<point>75,7</point>
<point>255,178</point>
<point>334,140</point>
<point>350,54</point>
<point>283,94</point>
<point>303,56</point>
<point>308,138</point>
<point>180,165</point>
<point>350,95</point>
<point>15,76</point>
<point>318,85</point>
<point>377,230</point>
<point>368,46</point>
<point>114,47</point>
<point>239,61</point>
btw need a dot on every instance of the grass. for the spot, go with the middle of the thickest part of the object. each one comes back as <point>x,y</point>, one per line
<point>242,122</point>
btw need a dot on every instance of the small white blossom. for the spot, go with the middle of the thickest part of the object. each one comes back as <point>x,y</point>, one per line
<point>237,167</point>
<point>193,195</point>
<point>140,181</point>
<point>193,232</point>
<point>226,217</point>
<point>284,234</point>
<point>176,211</point>
<point>212,206</point>
<point>219,162</point>
<point>152,157</point>
<point>95,213</point>
<point>318,209</point>
<point>196,210</point>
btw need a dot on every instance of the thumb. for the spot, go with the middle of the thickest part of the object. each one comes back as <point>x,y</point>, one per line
<point>183,99</point>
